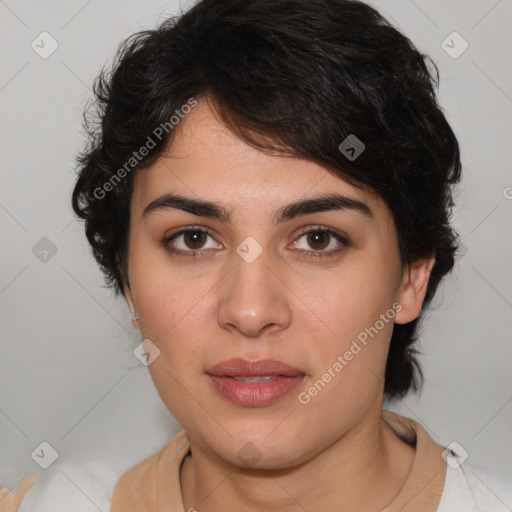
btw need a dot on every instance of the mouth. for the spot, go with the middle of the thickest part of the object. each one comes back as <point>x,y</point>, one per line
<point>254,383</point>
<point>239,368</point>
<point>262,378</point>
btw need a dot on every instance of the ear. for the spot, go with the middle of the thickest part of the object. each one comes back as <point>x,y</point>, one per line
<point>134,317</point>
<point>413,289</point>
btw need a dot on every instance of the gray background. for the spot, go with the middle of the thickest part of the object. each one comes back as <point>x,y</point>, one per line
<point>68,375</point>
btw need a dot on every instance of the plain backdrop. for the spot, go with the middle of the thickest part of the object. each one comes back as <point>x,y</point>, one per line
<point>68,375</point>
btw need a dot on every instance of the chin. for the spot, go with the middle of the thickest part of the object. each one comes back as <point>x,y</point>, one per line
<point>261,446</point>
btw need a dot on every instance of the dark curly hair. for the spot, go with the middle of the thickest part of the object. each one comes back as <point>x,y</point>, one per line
<point>290,76</point>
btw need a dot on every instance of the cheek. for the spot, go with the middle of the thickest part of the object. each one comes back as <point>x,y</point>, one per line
<point>173,321</point>
<point>348,302</point>
<point>350,364</point>
<point>352,340</point>
<point>166,298</point>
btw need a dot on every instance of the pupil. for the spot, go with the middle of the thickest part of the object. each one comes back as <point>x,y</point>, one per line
<point>196,237</point>
<point>317,237</point>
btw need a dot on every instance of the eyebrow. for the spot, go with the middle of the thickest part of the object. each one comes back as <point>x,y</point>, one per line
<point>214,210</point>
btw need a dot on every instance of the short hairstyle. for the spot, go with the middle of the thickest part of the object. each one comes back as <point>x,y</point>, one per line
<point>296,77</point>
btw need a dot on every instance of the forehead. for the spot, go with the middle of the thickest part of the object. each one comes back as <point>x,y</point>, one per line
<point>207,161</point>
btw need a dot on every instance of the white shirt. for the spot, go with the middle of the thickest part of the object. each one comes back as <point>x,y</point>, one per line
<point>468,489</point>
<point>71,487</point>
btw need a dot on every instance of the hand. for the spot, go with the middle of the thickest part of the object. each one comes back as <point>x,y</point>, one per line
<point>10,502</point>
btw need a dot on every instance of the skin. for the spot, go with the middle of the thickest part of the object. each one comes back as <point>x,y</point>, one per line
<point>335,453</point>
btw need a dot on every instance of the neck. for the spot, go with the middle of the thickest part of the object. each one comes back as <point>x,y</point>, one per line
<point>364,469</point>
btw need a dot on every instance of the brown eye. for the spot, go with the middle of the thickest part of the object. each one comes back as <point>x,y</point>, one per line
<point>320,242</point>
<point>318,239</point>
<point>191,242</point>
<point>194,239</point>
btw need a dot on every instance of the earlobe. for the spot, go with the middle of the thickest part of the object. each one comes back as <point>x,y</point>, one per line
<point>134,316</point>
<point>413,289</point>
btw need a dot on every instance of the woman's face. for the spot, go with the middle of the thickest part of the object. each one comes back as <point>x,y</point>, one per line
<point>257,287</point>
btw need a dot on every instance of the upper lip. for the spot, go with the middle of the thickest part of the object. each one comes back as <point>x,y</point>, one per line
<point>238,367</point>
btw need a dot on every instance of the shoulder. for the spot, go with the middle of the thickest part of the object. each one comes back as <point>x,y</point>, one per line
<point>85,487</point>
<point>471,489</point>
<point>137,485</point>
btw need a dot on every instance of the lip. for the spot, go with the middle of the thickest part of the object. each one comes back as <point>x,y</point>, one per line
<point>238,367</point>
<point>254,394</point>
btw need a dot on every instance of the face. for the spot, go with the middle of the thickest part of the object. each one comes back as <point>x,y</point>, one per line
<point>316,287</point>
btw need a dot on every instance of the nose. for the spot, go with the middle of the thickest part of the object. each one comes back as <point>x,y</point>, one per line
<point>254,297</point>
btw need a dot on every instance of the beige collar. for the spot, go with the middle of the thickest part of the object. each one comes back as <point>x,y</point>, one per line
<point>424,486</point>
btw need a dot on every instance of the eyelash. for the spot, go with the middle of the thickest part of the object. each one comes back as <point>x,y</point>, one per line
<point>313,254</point>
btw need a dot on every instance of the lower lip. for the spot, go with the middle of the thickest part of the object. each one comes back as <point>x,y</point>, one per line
<point>255,394</point>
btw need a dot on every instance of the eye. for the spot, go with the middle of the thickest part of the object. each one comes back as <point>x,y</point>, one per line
<point>193,241</point>
<point>320,239</point>
<point>187,241</point>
